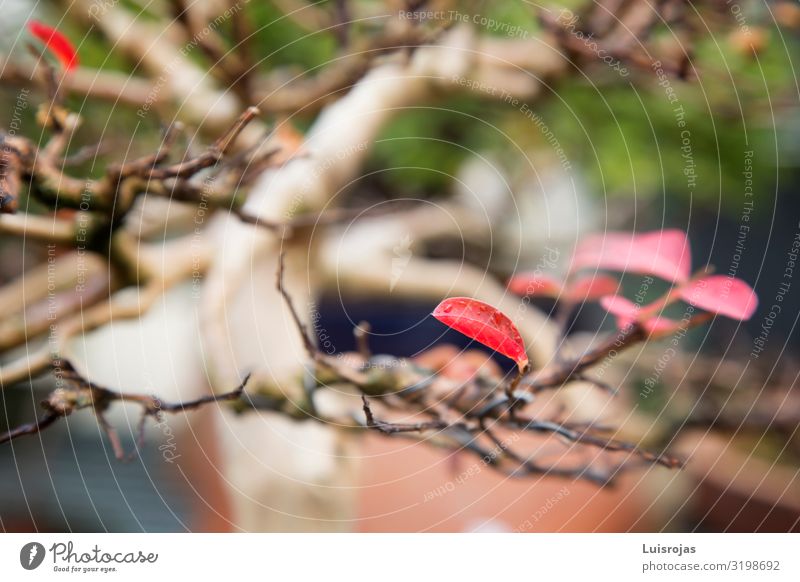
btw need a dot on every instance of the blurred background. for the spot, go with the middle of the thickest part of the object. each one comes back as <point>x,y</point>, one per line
<point>502,132</point>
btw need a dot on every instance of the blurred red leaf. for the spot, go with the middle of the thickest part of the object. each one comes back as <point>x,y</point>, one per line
<point>289,140</point>
<point>592,287</point>
<point>620,306</point>
<point>627,312</point>
<point>663,253</point>
<point>659,326</point>
<point>450,361</point>
<point>484,324</point>
<point>721,295</point>
<point>56,43</point>
<point>535,285</point>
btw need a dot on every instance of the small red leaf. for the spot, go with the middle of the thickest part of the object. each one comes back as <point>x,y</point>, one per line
<point>289,141</point>
<point>484,324</point>
<point>620,306</point>
<point>56,43</point>
<point>535,285</point>
<point>627,312</point>
<point>663,253</point>
<point>660,326</point>
<point>592,288</point>
<point>721,295</point>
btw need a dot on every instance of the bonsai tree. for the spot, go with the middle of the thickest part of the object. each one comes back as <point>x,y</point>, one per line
<point>232,191</point>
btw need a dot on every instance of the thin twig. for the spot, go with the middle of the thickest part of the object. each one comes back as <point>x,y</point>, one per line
<point>77,393</point>
<point>392,428</point>
<point>39,425</point>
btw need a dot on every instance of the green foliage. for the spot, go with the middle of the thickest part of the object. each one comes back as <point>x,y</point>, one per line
<point>649,394</point>
<point>279,41</point>
<point>507,16</point>
<point>621,133</point>
<point>628,136</point>
<point>425,146</point>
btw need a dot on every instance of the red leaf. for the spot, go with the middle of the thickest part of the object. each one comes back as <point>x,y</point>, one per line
<point>663,253</point>
<point>658,326</point>
<point>620,306</point>
<point>627,312</point>
<point>450,361</point>
<point>592,287</point>
<point>535,285</point>
<point>721,295</point>
<point>484,324</point>
<point>289,141</point>
<point>56,43</point>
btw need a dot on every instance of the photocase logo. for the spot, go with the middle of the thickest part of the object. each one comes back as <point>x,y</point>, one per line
<point>31,555</point>
<point>402,256</point>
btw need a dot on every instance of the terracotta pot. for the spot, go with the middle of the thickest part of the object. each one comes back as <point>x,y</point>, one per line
<point>736,491</point>
<point>409,487</point>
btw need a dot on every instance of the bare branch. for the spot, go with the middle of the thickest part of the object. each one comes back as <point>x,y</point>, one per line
<point>76,393</point>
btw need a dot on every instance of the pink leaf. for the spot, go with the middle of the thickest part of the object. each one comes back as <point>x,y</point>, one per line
<point>659,326</point>
<point>663,253</point>
<point>721,295</point>
<point>619,306</point>
<point>56,43</point>
<point>534,284</point>
<point>592,288</point>
<point>484,324</point>
<point>628,312</point>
